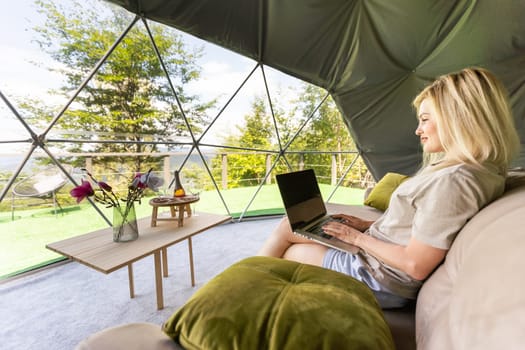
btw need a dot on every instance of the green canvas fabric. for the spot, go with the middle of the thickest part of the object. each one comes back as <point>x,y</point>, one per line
<point>270,303</point>
<point>372,56</point>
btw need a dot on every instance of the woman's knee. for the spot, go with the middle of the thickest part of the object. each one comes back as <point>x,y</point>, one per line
<point>283,229</point>
<point>308,253</point>
<point>284,225</point>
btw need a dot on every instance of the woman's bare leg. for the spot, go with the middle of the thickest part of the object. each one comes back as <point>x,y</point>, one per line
<point>307,253</point>
<point>283,243</point>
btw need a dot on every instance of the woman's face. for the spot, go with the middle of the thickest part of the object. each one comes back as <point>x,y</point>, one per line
<point>427,128</point>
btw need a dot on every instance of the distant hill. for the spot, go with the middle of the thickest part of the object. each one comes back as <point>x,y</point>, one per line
<point>9,163</point>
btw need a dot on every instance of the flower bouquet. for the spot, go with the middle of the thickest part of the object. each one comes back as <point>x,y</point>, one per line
<point>124,216</point>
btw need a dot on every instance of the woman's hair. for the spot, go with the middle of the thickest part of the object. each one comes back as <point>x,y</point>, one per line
<point>474,120</point>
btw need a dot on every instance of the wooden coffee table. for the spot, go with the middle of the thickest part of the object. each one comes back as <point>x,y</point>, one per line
<point>98,251</point>
<point>178,206</point>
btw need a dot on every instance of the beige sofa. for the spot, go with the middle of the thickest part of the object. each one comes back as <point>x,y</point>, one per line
<point>474,300</point>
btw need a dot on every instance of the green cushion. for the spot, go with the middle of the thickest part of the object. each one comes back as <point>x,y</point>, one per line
<point>270,303</point>
<point>379,197</point>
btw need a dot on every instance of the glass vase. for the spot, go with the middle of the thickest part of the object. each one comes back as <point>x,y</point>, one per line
<point>125,227</point>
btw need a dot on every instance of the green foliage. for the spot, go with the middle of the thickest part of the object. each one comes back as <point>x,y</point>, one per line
<point>129,101</point>
<point>324,132</point>
<point>196,179</point>
<point>257,131</point>
<point>248,169</point>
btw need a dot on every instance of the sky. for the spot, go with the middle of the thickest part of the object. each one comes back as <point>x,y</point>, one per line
<point>222,72</point>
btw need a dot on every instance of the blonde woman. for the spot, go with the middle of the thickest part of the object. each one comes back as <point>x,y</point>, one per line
<point>468,137</point>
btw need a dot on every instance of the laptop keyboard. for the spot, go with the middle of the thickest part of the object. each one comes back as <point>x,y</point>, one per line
<point>318,229</point>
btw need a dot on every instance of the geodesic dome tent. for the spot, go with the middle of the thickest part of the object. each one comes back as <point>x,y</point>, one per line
<point>372,56</point>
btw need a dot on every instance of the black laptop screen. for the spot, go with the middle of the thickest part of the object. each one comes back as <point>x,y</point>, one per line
<point>301,197</point>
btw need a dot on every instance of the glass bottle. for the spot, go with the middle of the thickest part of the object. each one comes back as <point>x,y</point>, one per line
<point>178,190</point>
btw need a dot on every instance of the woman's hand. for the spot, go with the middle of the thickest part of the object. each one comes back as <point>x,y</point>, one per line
<point>417,259</point>
<point>342,232</point>
<point>354,221</point>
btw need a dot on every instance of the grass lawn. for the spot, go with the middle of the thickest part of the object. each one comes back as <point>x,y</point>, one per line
<point>23,240</point>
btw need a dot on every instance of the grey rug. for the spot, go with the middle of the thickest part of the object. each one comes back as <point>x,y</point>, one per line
<point>55,308</point>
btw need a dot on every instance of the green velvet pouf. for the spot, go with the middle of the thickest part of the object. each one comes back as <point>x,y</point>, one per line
<point>269,303</point>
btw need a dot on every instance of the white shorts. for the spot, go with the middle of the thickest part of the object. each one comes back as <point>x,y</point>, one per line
<point>350,265</point>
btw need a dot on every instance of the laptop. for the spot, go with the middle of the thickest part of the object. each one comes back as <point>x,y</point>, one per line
<point>306,209</point>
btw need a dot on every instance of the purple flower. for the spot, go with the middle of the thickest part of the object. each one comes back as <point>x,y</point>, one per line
<point>82,191</point>
<point>104,192</point>
<point>104,186</point>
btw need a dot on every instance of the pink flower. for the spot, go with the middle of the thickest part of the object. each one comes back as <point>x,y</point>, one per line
<point>104,192</point>
<point>82,191</point>
<point>139,181</point>
<point>105,186</point>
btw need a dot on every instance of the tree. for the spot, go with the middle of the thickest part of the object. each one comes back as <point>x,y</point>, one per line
<point>249,169</point>
<point>129,101</point>
<point>326,132</point>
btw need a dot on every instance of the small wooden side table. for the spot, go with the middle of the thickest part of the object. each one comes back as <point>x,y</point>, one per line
<point>178,206</point>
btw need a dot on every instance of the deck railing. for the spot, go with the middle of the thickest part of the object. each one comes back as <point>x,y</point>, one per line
<point>339,169</point>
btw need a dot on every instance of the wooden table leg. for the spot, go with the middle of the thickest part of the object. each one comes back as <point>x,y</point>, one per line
<point>164,262</point>
<point>188,210</point>
<point>154,214</point>
<point>131,282</point>
<point>158,280</point>
<point>181,215</point>
<point>192,270</point>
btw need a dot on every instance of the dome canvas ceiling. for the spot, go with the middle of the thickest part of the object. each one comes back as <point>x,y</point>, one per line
<point>372,56</point>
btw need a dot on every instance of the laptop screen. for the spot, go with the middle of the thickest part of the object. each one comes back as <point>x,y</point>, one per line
<point>301,197</point>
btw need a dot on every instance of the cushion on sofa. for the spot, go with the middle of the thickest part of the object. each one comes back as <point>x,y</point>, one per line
<point>475,300</point>
<point>379,196</point>
<point>269,303</point>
